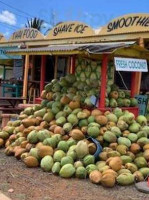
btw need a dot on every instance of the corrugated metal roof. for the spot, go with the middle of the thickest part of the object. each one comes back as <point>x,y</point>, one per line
<point>94,48</point>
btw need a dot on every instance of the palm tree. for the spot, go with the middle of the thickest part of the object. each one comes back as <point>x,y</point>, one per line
<point>35,23</point>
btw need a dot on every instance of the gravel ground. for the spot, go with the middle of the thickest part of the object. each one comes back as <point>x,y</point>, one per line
<point>34,184</point>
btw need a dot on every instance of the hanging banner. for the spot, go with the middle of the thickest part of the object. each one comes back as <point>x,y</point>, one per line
<point>130,64</point>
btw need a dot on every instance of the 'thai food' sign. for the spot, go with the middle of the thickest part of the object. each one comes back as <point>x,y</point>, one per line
<point>127,23</point>
<point>26,34</point>
<point>70,29</point>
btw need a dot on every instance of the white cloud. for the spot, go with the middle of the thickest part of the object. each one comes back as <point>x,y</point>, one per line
<point>8,17</point>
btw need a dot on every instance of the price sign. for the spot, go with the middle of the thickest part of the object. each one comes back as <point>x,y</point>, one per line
<point>142,103</point>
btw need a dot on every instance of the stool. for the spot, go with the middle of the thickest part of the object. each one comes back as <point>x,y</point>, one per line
<point>33,93</point>
<point>6,118</point>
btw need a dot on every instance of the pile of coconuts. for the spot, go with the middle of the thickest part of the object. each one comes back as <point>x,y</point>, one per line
<point>54,136</point>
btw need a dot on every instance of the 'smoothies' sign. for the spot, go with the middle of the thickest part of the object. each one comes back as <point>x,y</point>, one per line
<point>69,30</point>
<point>26,34</point>
<point>130,64</point>
<point>127,23</point>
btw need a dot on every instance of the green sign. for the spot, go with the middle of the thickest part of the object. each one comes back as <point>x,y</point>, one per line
<point>142,103</point>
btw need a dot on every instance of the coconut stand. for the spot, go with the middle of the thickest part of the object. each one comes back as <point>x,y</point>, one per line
<point>62,39</point>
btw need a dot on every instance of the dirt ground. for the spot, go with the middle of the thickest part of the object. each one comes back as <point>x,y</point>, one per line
<point>34,184</point>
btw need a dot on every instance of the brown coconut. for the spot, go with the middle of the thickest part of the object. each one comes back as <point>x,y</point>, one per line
<point>115,163</point>
<point>29,146</point>
<point>1,142</point>
<point>24,155</point>
<point>87,112</point>
<point>101,119</point>
<point>103,156</point>
<point>145,147</point>
<point>103,130</point>
<point>110,171</point>
<point>135,148</point>
<point>31,161</point>
<point>45,151</point>
<point>53,122</point>
<point>59,130</point>
<point>23,144</point>
<point>96,112</point>
<point>65,100</point>
<point>138,176</point>
<point>28,122</point>
<point>52,127</point>
<point>44,124</point>
<point>76,134</point>
<point>19,152</point>
<point>92,148</point>
<point>113,145</point>
<point>108,180</point>
<point>95,177</point>
<point>74,104</point>
<point>84,129</point>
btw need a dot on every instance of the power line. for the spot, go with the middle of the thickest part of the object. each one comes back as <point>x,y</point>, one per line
<point>17,14</point>
<point>27,14</point>
<point>6,25</point>
<point>8,5</point>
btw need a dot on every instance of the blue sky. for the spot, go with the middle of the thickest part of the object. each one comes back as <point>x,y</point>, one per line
<point>93,12</point>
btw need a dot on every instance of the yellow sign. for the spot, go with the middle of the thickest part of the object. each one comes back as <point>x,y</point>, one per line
<point>70,30</point>
<point>26,34</point>
<point>127,24</point>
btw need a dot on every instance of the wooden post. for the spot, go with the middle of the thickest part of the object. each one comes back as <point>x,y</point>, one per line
<point>55,67</point>
<point>103,81</point>
<point>139,74</point>
<point>42,72</point>
<point>73,61</point>
<point>25,77</point>
<point>68,65</point>
<point>133,84</point>
<point>33,68</point>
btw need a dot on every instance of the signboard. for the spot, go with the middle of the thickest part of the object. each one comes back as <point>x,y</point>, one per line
<point>18,69</point>
<point>142,103</point>
<point>130,64</point>
<point>2,39</point>
<point>126,24</point>
<point>4,56</point>
<point>70,30</point>
<point>26,34</point>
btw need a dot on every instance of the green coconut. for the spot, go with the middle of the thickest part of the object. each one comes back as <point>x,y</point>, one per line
<point>47,163</point>
<point>141,119</point>
<point>126,159</point>
<point>140,162</point>
<point>61,121</point>
<point>132,137</point>
<point>67,171</point>
<point>50,142</point>
<point>43,134</point>
<point>81,172</point>
<point>32,137</point>
<point>109,137</point>
<point>58,155</point>
<point>124,141</point>
<point>93,131</point>
<point>116,131</point>
<point>63,145</point>
<point>72,118</point>
<point>67,160</point>
<point>67,127</point>
<point>91,168</point>
<point>125,179</point>
<point>134,128</point>
<point>88,159</point>
<point>56,168</point>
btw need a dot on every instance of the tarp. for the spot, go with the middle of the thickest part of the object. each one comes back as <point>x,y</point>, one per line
<point>5,56</point>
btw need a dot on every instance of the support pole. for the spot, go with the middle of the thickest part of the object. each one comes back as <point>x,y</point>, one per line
<point>133,84</point>
<point>68,65</point>
<point>42,72</point>
<point>139,74</point>
<point>33,68</point>
<point>73,61</point>
<point>25,77</point>
<point>55,67</point>
<point>103,81</point>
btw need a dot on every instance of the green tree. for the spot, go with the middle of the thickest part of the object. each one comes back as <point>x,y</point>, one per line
<point>35,23</point>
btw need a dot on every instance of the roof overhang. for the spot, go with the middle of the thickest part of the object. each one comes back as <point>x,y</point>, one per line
<point>125,49</point>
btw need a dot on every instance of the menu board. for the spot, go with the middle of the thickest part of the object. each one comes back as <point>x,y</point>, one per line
<point>18,69</point>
